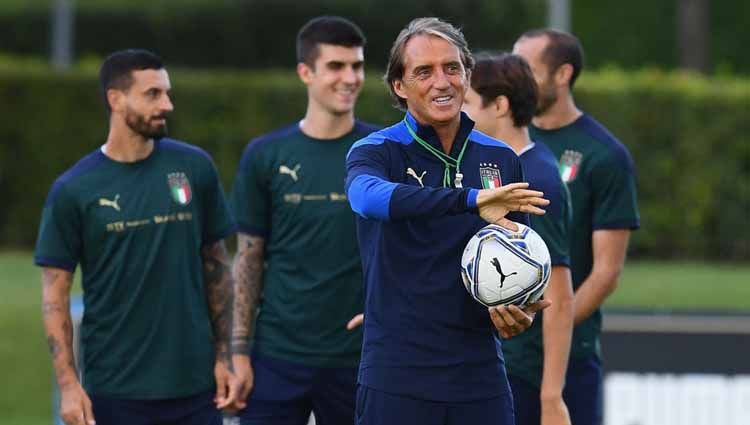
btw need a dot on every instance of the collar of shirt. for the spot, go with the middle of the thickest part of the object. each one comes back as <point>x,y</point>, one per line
<point>428,134</point>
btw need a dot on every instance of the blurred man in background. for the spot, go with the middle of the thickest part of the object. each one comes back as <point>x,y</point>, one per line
<point>293,216</point>
<point>600,175</point>
<point>502,100</point>
<point>429,354</point>
<point>145,217</point>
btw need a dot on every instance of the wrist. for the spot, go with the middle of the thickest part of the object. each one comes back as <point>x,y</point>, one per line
<point>66,380</point>
<point>481,197</point>
<point>240,346</point>
<point>546,397</point>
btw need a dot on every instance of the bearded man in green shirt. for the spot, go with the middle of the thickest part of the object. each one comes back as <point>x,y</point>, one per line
<point>600,174</point>
<point>145,217</point>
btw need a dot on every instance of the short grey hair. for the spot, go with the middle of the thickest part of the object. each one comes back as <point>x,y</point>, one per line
<point>423,26</point>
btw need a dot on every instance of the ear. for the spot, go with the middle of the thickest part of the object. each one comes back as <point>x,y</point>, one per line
<point>502,106</point>
<point>305,73</point>
<point>115,99</point>
<point>398,87</point>
<point>563,75</point>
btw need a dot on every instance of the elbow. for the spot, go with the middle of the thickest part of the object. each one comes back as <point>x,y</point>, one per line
<point>611,279</point>
<point>370,198</point>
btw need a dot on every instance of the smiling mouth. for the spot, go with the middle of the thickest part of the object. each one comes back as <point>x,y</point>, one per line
<point>346,93</point>
<point>443,100</point>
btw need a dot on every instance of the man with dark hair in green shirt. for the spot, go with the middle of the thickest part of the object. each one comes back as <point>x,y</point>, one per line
<point>145,217</point>
<point>293,215</point>
<point>600,175</point>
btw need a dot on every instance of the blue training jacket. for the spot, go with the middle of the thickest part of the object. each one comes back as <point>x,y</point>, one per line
<point>424,336</point>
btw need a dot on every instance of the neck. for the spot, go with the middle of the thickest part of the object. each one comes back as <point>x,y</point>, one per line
<point>560,114</point>
<point>320,124</point>
<point>516,137</point>
<point>124,145</point>
<point>447,134</point>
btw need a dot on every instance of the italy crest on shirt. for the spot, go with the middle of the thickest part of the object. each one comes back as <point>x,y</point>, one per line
<point>490,175</point>
<point>179,187</point>
<point>570,162</point>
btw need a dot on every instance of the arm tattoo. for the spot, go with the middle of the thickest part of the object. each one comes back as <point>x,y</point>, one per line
<point>219,293</point>
<point>57,322</point>
<point>248,277</point>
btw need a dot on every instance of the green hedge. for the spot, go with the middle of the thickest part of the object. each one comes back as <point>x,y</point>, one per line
<point>252,34</point>
<point>260,33</point>
<point>690,138</point>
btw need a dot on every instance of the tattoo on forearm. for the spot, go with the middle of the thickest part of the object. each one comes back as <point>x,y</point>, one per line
<point>219,292</point>
<point>57,321</point>
<point>248,276</point>
<point>54,346</point>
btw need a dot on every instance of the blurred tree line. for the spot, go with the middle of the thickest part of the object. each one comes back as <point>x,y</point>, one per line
<point>689,136</point>
<point>260,33</point>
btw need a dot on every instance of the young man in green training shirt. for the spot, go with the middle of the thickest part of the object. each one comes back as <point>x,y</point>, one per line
<point>502,100</point>
<point>145,217</point>
<point>293,214</point>
<point>600,175</point>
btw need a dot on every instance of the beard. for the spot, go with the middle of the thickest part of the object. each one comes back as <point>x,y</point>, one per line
<point>547,98</point>
<point>145,126</point>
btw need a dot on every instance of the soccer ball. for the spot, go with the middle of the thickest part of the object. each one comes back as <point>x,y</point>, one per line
<point>500,266</point>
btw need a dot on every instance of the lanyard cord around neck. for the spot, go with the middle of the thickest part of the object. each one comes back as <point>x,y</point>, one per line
<point>447,160</point>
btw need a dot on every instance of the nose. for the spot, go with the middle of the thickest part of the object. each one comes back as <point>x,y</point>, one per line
<point>166,104</point>
<point>351,76</point>
<point>441,80</point>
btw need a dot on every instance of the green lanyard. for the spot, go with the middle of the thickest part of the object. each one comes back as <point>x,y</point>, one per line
<point>447,160</point>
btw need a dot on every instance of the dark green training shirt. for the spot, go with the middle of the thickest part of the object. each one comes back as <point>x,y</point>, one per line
<point>289,189</point>
<point>524,355</point>
<point>137,229</point>
<point>600,175</point>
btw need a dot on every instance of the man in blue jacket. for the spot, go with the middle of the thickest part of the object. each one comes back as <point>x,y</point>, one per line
<point>429,353</point>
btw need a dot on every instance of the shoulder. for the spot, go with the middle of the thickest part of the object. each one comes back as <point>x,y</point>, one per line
<point>258,145</point>
<point>396,134</point>
<point>179,147</point>
<point>540,155</point>
<point>614,152</point>
<point>484,140</point>
<point>83,167</point>
<point>491,149</point>
<point>364,129</point>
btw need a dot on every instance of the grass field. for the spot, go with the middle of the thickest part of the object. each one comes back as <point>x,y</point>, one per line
<point>27,374</point>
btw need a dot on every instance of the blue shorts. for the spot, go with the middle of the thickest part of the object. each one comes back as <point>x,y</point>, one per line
<point>526,404</point>
<point>379,408</point>
<point>584,392</point>
<point>193,410</point>
<point>285,393</point>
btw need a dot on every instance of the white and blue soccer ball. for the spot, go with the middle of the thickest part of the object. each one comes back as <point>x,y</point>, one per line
<point>503,267</point>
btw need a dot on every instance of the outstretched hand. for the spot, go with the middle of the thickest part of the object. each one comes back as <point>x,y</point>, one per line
<point>495,204</point>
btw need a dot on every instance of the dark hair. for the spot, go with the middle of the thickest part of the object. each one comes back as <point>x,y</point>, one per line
<point>423,26</point>
<point>333,30</point>
<point>504,74</point>
<point>117,69</point>
<point>562,48</point>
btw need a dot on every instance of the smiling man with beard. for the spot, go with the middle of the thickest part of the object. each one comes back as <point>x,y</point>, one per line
<point>145,217</point>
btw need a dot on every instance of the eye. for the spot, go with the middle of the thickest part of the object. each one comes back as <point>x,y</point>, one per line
<point>454,68</point>
<point>423,73</point>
